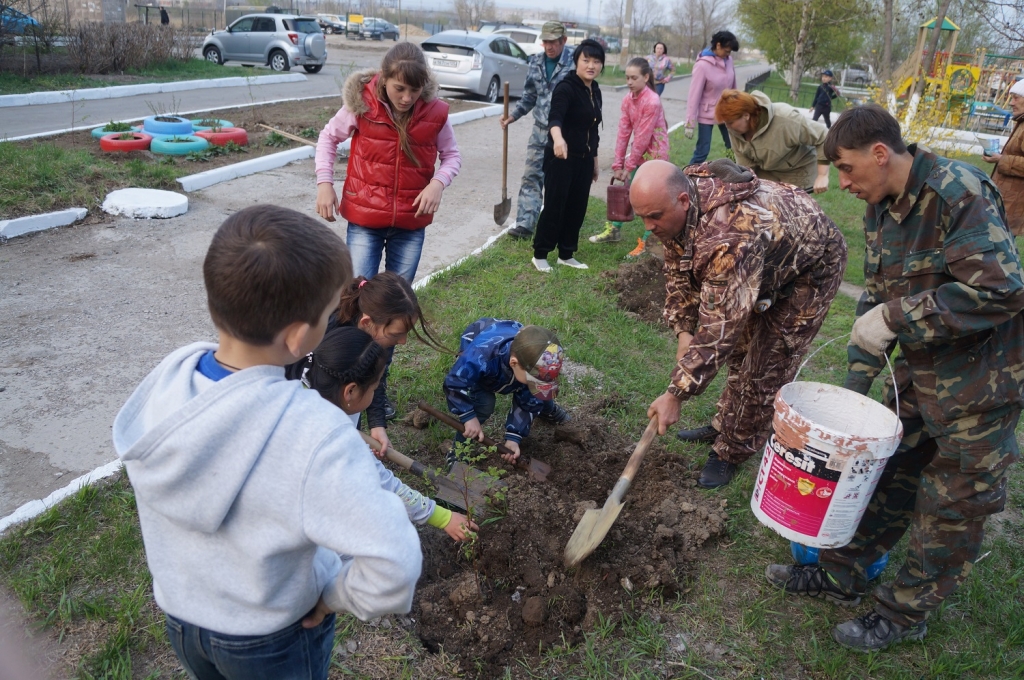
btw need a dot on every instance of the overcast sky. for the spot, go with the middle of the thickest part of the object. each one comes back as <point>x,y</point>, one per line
<point>571,10</point>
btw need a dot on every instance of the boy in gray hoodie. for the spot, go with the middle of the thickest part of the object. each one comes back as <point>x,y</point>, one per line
<point>249,486</point>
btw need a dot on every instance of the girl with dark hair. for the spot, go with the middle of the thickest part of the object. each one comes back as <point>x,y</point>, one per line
<point>643,118</point>
<point>345,368</point>
<point>387,309</point>
<point>398,129</point>
<point>713,73</point>
<point>570,158</point>
<point>661,65</point>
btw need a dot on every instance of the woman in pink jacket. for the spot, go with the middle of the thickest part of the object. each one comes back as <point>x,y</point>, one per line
<point>643,118</point>
<point>712,74</point>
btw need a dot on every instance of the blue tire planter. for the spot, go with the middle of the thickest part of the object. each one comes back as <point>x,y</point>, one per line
<point>170,148</point>
<point>100,132</point>
<point>154,135</point>
<point>179,125</point>
<point>220,123</point>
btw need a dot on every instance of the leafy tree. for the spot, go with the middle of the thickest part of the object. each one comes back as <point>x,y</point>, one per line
<point>797,35</point>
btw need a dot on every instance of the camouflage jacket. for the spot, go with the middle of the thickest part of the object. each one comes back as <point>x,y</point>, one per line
<point>941,260</point>
<point>538,89</point>
<point>744,242</point>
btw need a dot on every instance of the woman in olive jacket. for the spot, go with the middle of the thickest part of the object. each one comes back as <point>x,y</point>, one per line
<point>570,158</point>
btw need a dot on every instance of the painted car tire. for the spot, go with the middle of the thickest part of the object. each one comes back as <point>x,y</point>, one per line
<point>169,148</point>
<point>199,128</point>
<point>100,132</point>
<point>154,135</point>
<point>180,126</point>
<point>225,135</point>
<point>139,142</point>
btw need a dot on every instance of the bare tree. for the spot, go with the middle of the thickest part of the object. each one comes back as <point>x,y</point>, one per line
<point>471,12</point>
<point>696,21</point>
<point>1004,17</point>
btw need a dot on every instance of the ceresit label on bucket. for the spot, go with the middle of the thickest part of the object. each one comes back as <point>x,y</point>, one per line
<point>810,498</point>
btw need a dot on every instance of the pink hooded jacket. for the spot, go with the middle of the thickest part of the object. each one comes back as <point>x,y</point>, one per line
<point>644,118</point>
<point>711,76</point>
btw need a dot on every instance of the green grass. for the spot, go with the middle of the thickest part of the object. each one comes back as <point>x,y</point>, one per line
<point>194,69</point>
<point>82,562</point>
<point>613,76</point>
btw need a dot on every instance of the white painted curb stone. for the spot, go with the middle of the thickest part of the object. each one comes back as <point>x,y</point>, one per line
<point>145,203</point>
<point>64,96</point>
<point>38,507</point>
<point>27,225</point>
<point>275,160</point>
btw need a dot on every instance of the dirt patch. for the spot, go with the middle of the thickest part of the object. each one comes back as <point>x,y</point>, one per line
<point>641,287</point>
<point>515,597</point>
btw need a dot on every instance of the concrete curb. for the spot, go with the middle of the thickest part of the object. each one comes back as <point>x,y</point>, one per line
<point>38,507</point>
<point>62,96</point>
<point>26,225</point>
<point>228,172</point>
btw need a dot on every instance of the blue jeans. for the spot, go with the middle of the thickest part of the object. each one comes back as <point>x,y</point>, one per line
<point>704,130</point>
<point>290,653</point>
<point>401,246</point>
<point>659,88</point>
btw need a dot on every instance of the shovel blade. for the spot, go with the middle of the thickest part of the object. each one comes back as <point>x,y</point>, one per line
<point>466,487</point>
<point>538,470</point>
<point>502,211</point>
<point>590,532</point>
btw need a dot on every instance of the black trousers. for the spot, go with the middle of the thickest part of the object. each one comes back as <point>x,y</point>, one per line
<point>827,113</point>
<point>566,192</point>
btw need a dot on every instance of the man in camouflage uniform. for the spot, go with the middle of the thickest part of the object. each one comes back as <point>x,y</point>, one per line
<point>943,279</point>
<point>546,70</point>
<point>751,267</point>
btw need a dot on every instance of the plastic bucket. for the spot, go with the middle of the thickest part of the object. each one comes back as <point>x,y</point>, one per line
<point>822,462</point>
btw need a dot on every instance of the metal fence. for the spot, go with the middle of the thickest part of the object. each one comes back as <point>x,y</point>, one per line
<point>756,82</point>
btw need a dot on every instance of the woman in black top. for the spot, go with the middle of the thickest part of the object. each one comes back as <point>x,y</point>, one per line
<point>570,158</point>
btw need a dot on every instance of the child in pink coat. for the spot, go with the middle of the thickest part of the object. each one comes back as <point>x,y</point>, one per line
<point>643,117</point>
<point>712,74</point>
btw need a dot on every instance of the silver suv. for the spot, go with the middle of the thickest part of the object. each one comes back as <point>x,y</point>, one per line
<point>280,40</point>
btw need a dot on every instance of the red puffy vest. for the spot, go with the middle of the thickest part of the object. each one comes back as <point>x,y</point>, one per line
<point>382,182</point>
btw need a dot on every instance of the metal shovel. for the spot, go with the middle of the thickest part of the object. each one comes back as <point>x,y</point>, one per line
<point>536,469</point>
<point>502,210</point>
<point>463,486</point>
<point>595,523</point>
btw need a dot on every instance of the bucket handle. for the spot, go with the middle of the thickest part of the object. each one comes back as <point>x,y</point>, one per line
<point>895,388</point>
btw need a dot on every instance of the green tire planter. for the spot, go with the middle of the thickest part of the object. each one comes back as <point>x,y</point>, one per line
<point>197,127</point>
<point>178,146</point>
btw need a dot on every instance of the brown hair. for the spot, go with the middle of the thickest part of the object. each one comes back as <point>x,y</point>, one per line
<point>734,104</point>
<point>645,70</point>
<point>268,267</point>
<point>405,62</point>
<point>385,298</point>
<point>860,127</point>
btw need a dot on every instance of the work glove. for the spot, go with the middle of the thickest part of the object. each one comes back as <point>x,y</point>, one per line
<point>870,332</point>
<point>688,132</point>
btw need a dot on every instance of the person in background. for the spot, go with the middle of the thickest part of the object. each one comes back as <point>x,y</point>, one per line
<point>570,159</point>
<point>775,140</point>
<point>643,118</point>
<point>712,74</point>
<point>165,19</point>
<point>661,65</point>
<point>1008,173</point>
<point>823,97</point>
<point>546,70</point>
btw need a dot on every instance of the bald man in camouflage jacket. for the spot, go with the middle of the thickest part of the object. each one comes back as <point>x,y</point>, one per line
<point>751,268</point>
<point>943,281</point>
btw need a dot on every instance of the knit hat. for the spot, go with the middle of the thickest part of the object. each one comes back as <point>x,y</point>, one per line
<point>552,30</point>
<point>540,354</point>
<point>1018,88</point>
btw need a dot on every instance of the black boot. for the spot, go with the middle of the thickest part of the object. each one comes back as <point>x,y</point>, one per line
<point>557,416</point>
<point>389,409</point>
<point>716,473</point>
<point>703,435</point>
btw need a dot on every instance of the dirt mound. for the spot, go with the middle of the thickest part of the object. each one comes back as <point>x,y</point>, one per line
<point>641,288</point>
<point>514,596</point>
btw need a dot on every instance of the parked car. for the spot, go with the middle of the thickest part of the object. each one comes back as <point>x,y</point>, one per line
<point>473,62</point>
<point>613,46</point>
<point>378,29</point>
<point>280,40</point>
<point>13,22</point>
<point>331,23</point>
<point>526,37</point>
<point>859,75</point>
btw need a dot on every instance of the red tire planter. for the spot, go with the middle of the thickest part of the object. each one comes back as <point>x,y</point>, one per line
<point>225,135</point>
<point>138,142</point>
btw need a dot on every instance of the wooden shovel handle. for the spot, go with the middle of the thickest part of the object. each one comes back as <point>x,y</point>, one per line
<point>622,486</point>
<point>396,457</point>
<point>459,427</point>
<point>504,154</point>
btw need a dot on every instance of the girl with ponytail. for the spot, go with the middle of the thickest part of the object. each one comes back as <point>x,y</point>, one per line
<point>345,368</point>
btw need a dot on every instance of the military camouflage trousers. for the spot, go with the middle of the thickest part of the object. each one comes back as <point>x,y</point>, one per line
<point>940,489</point>
<point>531,191</point>
<point>768,355</point>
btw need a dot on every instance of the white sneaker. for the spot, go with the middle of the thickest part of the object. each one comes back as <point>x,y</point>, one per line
<point>572,262</point>
<point>541,265</point>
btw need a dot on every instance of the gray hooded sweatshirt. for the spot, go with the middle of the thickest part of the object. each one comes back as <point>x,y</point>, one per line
<point>248,489</point>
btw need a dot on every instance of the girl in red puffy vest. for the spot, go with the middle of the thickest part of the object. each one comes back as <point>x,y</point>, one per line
<point>398,129</point>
